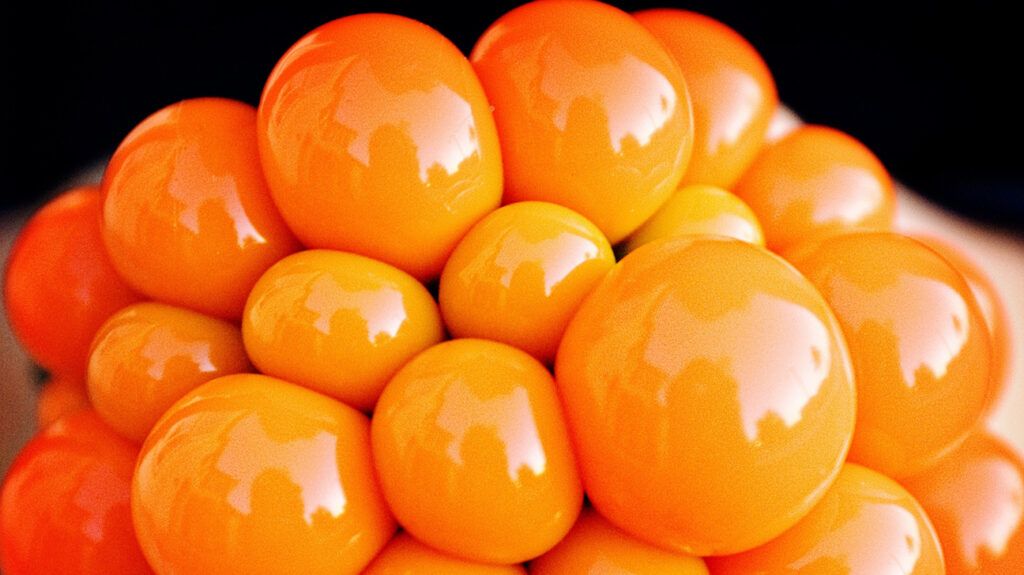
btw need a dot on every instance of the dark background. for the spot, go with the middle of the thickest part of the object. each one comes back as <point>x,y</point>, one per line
<point>929,88</point>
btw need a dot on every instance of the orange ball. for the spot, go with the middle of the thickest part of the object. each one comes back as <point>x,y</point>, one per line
<point>596,546</point>
<point>249,474</point>
<point>60,285</point>
<point>338,323</point>
<point>519,275</point>
<point>975,498</point>
<point>64,507</point>
<point>918,341</point>
<point>187,215</point>
<point>709,394</point>
<point>406,556</point>
<point>865,525</point>
<point>700,210</point>
<point>377,139</point>
<point>473,455</point>
<point>147,356</point>
<point>592,111</point>
<point>816,181</point>
<point>60,396</point>
<point>732,91</point>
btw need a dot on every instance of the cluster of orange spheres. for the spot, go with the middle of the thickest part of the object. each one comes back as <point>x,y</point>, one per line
<point>571,305</point>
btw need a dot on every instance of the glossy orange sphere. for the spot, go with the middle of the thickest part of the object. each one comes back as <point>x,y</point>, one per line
<point>700,210</point>
<point>519,275</point>
<point>249,474</point>
<point>187,215</point>
<point>149,355</point>
<point>377,139</point>
<point>975,498</point>
<point>60,396</point>
<point>865,525</point>
<point>60,285</point>
<point>918,341</point>
<point>732,91</point>
<point>406,556</point>
<point>338,323</point>
<point>64,507</point>
<point>596,546</point>
<point>709,394</point>
<point>816,181</point>
<point>473,455</point>
<point>592,111</point>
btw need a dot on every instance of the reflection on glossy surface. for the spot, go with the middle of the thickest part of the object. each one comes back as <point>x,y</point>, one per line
<point>147,356</point>
<point>593,113</point>
<point>249,474</point>
<point>353,322</point>
<point>700,210</point>
<point>732,91</point>
<point>519,274</point>
<point>473,454</point>
<point>59,268</point>
<point>816,181</point>
<point>64,507</point>
<point>595,546</point>
<point>186,205</point>
<point>975,498</point>
<point>919,345</point>
<point>406,556</point>
<point>865,525</point>
<point>377,139</point>
<point>61,395</point>
<point>735,377</point>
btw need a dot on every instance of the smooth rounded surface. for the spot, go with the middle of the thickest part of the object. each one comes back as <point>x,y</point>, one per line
<point>60,396</point>
<point>709,394</point>
<point>473,455</point>
<point>732,91</point>
<point>149,355</point>
<point>865,525</point>
<point>596,546</point>
<point>700,210</point>
<point>918,341</point>
<point>60,285</point>
<point>592,111</point>
<point>816,181</point>
<point>64,507</point>
<point>249,474</point>
<point>338,323</point>
<point>406,556</point>
<point>377,139</point>
<point>975,498</point>
<point>187,215</point>
<point>519,275</point>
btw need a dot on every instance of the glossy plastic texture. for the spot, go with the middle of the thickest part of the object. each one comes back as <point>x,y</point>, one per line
<point>732,91</point>
<point>596,546</point>
<point>473,455</point>
<point>377,139</point>
<point>60,286</point>
<point>249,474</point>
<point>64,507</point>
<point>865,525</point>
<point>519,275</point>
<point>700,210</point>
<point>60,396</point>
<point>975,498</point>
<point>992,307</point>
<point>187,215</point>
<point>406,556</point>
<point>149,355</point>
<point>338,323</point>
<point>813,182</point>
<point>709,394</point>
<point>592,111</point>
<point>918,341</point>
